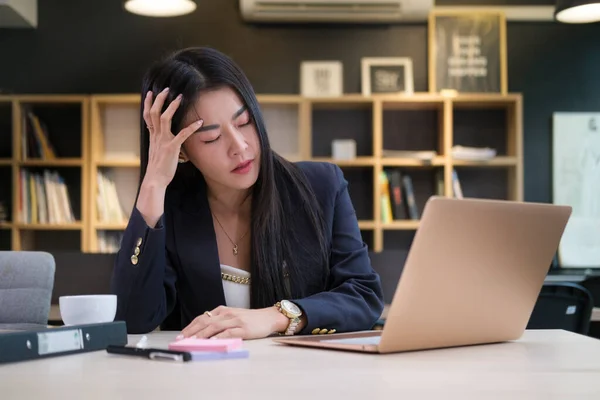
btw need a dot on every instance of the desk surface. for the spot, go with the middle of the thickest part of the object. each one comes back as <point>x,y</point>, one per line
<point>542,364</point>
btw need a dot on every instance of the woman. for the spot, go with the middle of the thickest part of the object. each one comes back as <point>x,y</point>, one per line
<point>228,239</point>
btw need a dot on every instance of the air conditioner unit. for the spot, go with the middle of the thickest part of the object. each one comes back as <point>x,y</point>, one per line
<point>335,11</point>
<point>18,14</point>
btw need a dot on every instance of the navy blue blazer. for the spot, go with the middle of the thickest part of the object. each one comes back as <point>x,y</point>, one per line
<point>175,265</point>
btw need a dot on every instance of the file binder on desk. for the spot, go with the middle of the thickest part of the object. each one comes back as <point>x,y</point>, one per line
<point>52,342</point>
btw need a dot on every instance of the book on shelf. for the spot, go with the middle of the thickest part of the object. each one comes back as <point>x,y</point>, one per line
<point>397,196</point>
<point>456,186</point>
<point>411,203</point>
<point>107,201</point>
<point>109,241</point>
<point>386,205</point>
<point>3,214</point>
<point>35,142</point>
<point>44,198</point>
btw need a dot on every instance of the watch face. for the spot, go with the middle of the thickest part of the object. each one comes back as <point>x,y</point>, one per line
<point>290,307</point>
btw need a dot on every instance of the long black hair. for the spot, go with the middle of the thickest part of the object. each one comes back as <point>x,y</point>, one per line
<point>283,263</point>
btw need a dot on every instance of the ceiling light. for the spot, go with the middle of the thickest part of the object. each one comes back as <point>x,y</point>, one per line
<point>160,8</point>
<point>577,11</point>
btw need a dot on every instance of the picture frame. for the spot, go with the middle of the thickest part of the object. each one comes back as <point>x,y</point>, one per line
<point>575,183</point>
<point>467,51</point>
<point>386,75</point>
<point>321,78</point>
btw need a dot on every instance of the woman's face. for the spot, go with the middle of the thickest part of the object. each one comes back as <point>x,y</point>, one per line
<point>226,148</point>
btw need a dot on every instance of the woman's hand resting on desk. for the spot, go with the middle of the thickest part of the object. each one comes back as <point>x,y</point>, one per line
<point>226,322</point>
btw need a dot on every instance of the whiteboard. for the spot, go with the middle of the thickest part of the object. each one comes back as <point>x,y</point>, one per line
<point>576,182</point>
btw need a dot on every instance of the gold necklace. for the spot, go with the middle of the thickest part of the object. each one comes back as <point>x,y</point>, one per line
<point>235,246</point>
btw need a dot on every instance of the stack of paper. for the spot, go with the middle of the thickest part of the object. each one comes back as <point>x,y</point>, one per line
<point>472,153</point>
<point>211,349</point>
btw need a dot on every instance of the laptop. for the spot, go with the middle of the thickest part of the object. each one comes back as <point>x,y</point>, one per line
<point>472,276</point>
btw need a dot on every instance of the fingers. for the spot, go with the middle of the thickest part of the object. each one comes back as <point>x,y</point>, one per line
<point>155,110</point>
<point>201,321</point>
<point>196,325</point>
<point>232,333</point>
<point>147,107</point>
<point>167,116</point>
<point>208,324</point>
<point>188,131</point>
<point>217,325</point>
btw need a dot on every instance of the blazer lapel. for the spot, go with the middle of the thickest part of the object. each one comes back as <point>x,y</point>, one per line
<point>199,278</point>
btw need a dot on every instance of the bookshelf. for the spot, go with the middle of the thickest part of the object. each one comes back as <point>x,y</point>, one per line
<point>43,161</point>
<point>114,167</point>
<point>100,156</point>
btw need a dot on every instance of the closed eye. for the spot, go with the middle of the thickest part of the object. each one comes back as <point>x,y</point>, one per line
<point>213,140</point>
<point>246,121</point>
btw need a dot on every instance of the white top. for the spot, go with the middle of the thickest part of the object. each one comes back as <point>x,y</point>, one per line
<point>237,295</point>
<point>543,364</point>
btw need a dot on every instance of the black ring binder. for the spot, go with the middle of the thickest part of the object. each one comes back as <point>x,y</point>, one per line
<point>59,341</point>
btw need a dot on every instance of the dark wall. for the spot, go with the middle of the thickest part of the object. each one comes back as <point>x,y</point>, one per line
<point>97,47</point>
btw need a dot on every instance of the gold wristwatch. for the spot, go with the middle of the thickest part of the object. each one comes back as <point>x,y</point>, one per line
<point>291,311</point>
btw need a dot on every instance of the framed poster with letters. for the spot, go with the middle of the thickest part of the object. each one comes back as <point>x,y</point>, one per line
<point>467,51</point>
<point>391,75</point>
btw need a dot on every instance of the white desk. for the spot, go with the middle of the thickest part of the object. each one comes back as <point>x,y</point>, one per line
<point>543,364</point>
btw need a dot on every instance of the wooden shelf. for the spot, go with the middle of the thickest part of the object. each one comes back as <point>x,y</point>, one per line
<point>412,162</point>
<point>485,100</point>
<point>357,162</point>
<point>349,101</point>
<point>133,99</point>
<point>367,225</point>
<point>494,162</point>
<point>292,157</point>
<point>118,163</point>
<point>279,99</point>
<point>49,98</point>
<point>51,227</point>
<point>58,162</point>
<point>300,128</point>
<point>418,102</point>
<point>110,226</point>
<point>6,225</point>
<point>401,225</point>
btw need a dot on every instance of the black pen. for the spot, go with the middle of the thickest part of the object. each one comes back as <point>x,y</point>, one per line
<point>152,354</point>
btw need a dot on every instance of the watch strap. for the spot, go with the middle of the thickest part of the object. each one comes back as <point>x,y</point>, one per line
<point>291,329</point>
<point>294,321</point>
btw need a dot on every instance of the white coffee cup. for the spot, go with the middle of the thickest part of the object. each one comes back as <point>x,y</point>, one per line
<point>88,309</point>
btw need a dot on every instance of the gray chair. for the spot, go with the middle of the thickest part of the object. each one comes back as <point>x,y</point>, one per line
<point>26,283</point>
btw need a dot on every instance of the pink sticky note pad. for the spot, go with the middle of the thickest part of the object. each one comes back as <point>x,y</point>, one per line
<point>220,345</point>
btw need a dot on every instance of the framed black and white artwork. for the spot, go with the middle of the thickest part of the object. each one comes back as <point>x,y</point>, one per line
<point>321,79</point>
<point>386,75</point>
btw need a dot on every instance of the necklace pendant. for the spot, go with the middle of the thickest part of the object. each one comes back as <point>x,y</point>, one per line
<point>235,249</point>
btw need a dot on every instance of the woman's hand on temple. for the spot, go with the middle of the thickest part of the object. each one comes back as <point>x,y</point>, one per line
<point>226,322</point>
<point>164,147</point>
<point>163,155</point>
